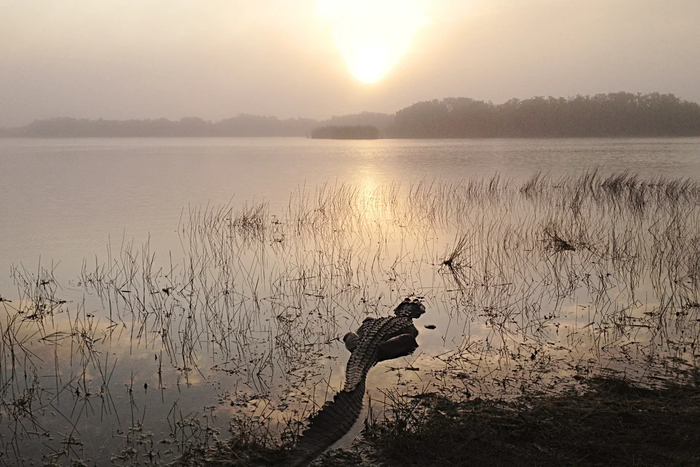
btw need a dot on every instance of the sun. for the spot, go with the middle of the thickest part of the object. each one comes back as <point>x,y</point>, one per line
<point>372,35</point>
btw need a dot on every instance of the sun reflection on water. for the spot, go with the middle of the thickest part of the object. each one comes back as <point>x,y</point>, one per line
<point>527,286</point>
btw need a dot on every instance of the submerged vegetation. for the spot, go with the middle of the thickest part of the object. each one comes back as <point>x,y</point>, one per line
<point>530,288</point>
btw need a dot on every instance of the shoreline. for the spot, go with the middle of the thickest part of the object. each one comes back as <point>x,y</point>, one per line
<point>609,421</point>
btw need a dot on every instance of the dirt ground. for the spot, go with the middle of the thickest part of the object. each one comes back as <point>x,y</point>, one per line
<point>612,422</point>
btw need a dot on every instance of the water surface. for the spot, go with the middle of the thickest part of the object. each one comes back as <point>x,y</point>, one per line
<point>63,198</point>
<point>160,287</point>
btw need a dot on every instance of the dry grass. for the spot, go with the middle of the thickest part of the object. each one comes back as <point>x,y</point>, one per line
<point>613,422</point>
<point>606,421</point>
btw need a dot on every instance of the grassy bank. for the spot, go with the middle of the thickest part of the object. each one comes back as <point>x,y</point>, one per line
<point>606,421</point>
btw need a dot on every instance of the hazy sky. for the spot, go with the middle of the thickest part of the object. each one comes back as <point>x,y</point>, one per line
<point>214,59</point>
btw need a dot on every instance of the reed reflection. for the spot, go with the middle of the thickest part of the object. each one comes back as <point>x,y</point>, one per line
<point>528,286</point>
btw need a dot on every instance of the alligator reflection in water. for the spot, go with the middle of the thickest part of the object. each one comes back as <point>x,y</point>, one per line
<point>375,341</point>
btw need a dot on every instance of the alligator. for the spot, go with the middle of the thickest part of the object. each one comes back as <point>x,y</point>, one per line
<point>376,340</point>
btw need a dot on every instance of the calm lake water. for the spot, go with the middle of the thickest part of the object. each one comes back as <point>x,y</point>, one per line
<point>154,289</point>
<point>63,198</point>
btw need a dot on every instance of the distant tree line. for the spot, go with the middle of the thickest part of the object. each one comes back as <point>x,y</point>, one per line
<point>619,114</point>
<point>603,115</point>
<point>346,132</point>
<point>379,120</point>
<point>242,125</point>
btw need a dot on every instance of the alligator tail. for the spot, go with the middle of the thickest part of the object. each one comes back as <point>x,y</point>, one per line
<point>331,423</point>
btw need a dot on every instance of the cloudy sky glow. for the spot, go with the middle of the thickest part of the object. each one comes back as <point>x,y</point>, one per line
<point>214,59</point>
